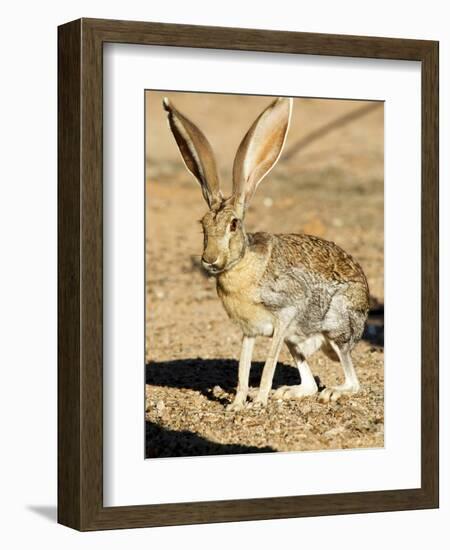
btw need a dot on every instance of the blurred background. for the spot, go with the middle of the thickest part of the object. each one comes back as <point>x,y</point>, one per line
<point>328,182</point>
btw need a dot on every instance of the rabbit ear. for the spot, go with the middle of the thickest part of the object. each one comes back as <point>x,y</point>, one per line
<point>259,150</point>
<point>196,152</point>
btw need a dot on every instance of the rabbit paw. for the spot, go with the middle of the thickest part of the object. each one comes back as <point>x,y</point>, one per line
<point>294,392</point>
<point>333,394</point>
<point>236,405</point>
<point>259,402</point>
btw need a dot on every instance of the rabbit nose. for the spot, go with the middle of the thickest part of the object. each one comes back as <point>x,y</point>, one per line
<point>209,261</point>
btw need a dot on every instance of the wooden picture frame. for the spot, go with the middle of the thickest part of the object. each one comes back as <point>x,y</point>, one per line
<point>80,272</point>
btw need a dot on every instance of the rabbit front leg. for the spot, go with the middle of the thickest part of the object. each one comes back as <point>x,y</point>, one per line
<point>270,364</point>
<point>245,362</point>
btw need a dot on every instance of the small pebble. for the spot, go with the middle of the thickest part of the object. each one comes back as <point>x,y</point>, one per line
<point>160,407</point>
<point>334,431</point>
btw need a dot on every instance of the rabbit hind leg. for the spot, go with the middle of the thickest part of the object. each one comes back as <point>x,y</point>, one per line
<point>351,383</point>
<point>308,385</point>
<point>343,327</point>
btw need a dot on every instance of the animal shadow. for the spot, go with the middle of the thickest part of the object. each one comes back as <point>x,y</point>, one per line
<point>374,330</point>
<point>203,375</point>
<point>161,442</point>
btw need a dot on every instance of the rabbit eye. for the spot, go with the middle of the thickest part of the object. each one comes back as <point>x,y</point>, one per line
<point>233,224</point>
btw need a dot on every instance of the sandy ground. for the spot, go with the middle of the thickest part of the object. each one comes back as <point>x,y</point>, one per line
<point>329,183</point>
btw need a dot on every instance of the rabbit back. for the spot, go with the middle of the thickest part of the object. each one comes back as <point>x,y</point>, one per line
<point>323,284</point>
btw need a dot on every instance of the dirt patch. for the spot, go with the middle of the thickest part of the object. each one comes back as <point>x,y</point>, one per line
<point>331,185</point>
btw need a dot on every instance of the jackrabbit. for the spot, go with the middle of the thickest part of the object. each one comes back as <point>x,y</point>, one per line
<point>297,289</point>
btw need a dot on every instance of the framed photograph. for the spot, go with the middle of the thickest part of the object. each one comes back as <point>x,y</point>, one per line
<point>248,274</point>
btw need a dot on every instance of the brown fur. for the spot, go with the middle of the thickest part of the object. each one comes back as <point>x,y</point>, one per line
<point>239,290</point>
<point>316,255</point>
